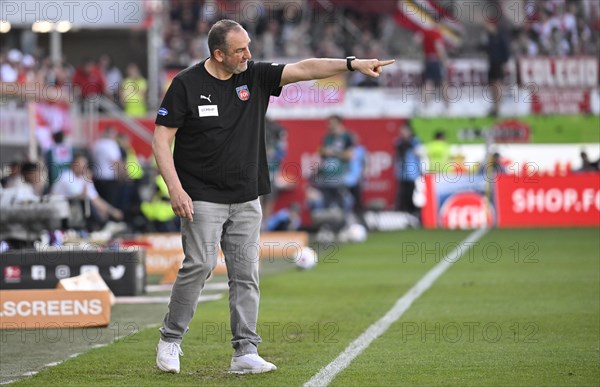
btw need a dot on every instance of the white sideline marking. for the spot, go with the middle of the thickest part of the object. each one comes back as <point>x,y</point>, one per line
<point>330,371</point>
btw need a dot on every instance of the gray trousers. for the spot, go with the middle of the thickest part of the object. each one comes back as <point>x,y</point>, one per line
<point>236,227</point>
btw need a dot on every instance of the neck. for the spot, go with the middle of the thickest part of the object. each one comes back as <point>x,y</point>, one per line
<point>214,68</point>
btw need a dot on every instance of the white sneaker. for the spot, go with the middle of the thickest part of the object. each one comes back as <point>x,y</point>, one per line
<point>250,364</point>
<point>167,356</point>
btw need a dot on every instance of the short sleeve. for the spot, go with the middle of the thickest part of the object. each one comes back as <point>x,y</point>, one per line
<point>114,152</point>
<point>173,108</point>
<point>349,141</point>
<point>92,194</point>
<point>270,75</point>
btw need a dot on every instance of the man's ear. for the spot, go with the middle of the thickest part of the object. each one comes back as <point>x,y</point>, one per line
<point>219,55</point>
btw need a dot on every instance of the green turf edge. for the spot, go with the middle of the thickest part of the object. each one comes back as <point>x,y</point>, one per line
<point>527,316</point>
<point>305,335</point>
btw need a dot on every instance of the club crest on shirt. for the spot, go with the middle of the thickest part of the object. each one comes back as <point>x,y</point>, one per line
<point>243,93</point>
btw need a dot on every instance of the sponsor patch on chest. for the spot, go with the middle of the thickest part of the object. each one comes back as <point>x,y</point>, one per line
<point>208,110</point>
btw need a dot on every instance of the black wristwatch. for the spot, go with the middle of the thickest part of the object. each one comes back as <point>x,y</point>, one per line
<point>349,60</point>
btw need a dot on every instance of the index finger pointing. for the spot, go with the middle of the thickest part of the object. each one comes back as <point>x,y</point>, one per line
<point>386,62</point>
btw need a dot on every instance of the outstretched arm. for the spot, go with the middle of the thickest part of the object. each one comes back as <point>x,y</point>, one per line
<point>320,68</point>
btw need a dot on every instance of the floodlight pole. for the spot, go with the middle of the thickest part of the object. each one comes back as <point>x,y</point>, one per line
<point>55,46</point>
<point>154,41</point>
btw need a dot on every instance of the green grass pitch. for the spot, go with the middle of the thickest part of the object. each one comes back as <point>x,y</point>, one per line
<point>521,308</point>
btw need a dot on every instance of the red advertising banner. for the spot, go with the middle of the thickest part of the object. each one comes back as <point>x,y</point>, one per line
<point>302,160</point>
<point>574,72</point>
<point>561,101</point>
<point>461,201</point>
<point>560,85</point>
<point>547,201</point>
<point>471,201</point>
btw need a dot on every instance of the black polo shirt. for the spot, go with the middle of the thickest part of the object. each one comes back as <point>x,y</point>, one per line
<point>219,150</point>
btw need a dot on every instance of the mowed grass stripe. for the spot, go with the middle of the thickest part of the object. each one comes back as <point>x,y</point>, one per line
<point>306,320</point>
<point>356,347</point>
<point>526,312</point>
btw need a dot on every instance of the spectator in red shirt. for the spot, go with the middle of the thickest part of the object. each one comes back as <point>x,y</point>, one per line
<point>89,79</point>
<point>435,62</point>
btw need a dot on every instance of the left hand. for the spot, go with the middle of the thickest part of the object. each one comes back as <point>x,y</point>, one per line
<point>371,67</point>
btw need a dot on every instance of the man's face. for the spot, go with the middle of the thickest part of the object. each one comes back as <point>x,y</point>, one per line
<point>31,176</point>
<point>405,132</point>
<point>335,126</point>
<point>80,165</point>
<point>237,54</point>
<point>88,67</point>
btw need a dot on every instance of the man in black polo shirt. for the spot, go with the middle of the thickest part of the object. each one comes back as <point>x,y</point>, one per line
<point>215,111</point>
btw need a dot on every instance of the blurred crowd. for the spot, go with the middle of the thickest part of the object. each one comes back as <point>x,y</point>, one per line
<point>278,30</point>
<point>554,27</point>
<point>286,30</point>
<point>64,82</point>
<point>115,186</point>
<point>557,28</point>
<point>104,180</point>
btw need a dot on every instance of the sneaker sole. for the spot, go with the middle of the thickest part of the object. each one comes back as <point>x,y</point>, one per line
<point>165,368</point>
<point>260,370</point>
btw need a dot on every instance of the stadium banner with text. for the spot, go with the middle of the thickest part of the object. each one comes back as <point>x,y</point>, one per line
<point>546,201</point>
<point>468,201</point>
<point>459,201</point>
<point>562,101</point>
<point>164,251</point>
<point>561,85</point>
<point>43,309</point>
<point>559,72</point>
